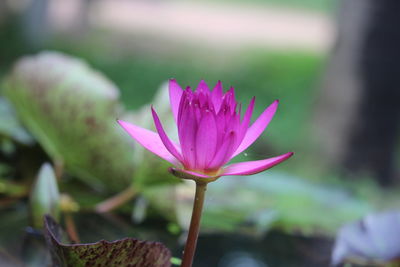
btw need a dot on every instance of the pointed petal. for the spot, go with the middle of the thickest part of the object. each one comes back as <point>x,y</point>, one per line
<point>206,140</point>
<point>246,119</point>
<point>149,140</point>
<point>216,96</point>
<point>257,127</point>
<point>175,94</point>
<point>253,167</point>
<point>232,99</point>
<point>187,130</point>
<point>203,87</point>
<point>185,98</point>
<point>172,148</point>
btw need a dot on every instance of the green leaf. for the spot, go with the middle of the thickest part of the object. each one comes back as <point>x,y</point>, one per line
<point>71,110</point>
<point>10,188</point>
<point>124,252</point>
<point>257,203</point>
<point>45,197</point>
<point>273,199</point>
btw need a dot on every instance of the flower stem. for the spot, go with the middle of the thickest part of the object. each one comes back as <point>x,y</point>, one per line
<point>116,201</point>
<point>71,229</point>
<point>194,228</point>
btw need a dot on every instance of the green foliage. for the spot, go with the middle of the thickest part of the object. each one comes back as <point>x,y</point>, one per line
<point>71,111</point>
<point>8,187</point>
<point>124,252</point>
<point>315,5</point>
<point>257,203</point>
<point>282,201</point>
<point>150,169</point>
<point>45,197</point>
<point>291,76</point>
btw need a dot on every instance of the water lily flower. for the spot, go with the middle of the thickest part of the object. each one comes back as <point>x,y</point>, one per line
<point>211,132</point>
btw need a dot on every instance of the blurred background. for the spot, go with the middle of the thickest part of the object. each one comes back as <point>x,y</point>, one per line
<point>332,64</point>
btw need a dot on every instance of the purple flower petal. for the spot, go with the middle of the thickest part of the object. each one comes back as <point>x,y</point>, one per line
<point>206,140</point>
<point>175,94</point>
<point>185,98</point>
<point>246,120</point>
<point>253,167</point>
<point>149,140</point>
<point>224,152</point>
<point>164,138</point>
<point>257,127</point>
<point>187,129</point>
<point>203,88</point>
<point>216,96</point>
<point>232,99</point>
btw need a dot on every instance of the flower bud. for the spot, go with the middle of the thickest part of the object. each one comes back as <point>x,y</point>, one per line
<point>45,197</point>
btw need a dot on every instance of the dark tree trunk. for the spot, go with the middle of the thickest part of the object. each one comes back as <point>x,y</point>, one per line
<point>372,142</point>
<point>359,112</point>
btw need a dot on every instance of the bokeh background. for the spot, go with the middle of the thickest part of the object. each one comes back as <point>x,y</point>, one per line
<point>332,64</point>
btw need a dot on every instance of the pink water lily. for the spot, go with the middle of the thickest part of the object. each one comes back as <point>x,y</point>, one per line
<point>211,132</point>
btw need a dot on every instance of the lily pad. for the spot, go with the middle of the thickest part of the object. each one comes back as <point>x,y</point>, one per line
<point>72,110</point>
<point>124,252</point>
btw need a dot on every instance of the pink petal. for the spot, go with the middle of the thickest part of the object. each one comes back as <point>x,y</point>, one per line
<point>224,152</point>
<point>253,167</point>
<point>246,119</point>
<point>187,130</point>
<point>185,99</point>
<point>203,87</point>
<point>257,127</point>
<point>164,138</point>
<point>206,140</point>
<point>232,99</point>
<point>175,94</point>
<point>149,140</point>
<point>216,96</point>
<point>188,174</point>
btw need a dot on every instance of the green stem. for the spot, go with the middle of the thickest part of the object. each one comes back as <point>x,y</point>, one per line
<point>194,228</point>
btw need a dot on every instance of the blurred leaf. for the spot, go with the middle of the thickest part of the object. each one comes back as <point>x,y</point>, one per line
<point>139,210</point>
<point>163,201</point>
<point>11,189</point>
<point>274,199</point>
<point>256,203</point>
<point>71,110</point>
<point>10,126</point>
<point>150,169</point>
<point>176,261</point>
<point>375,238</point>
<point>45,198</point>
<point>125,252</point>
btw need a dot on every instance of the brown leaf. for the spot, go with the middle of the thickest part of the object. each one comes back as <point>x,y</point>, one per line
<point>124,252</point>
